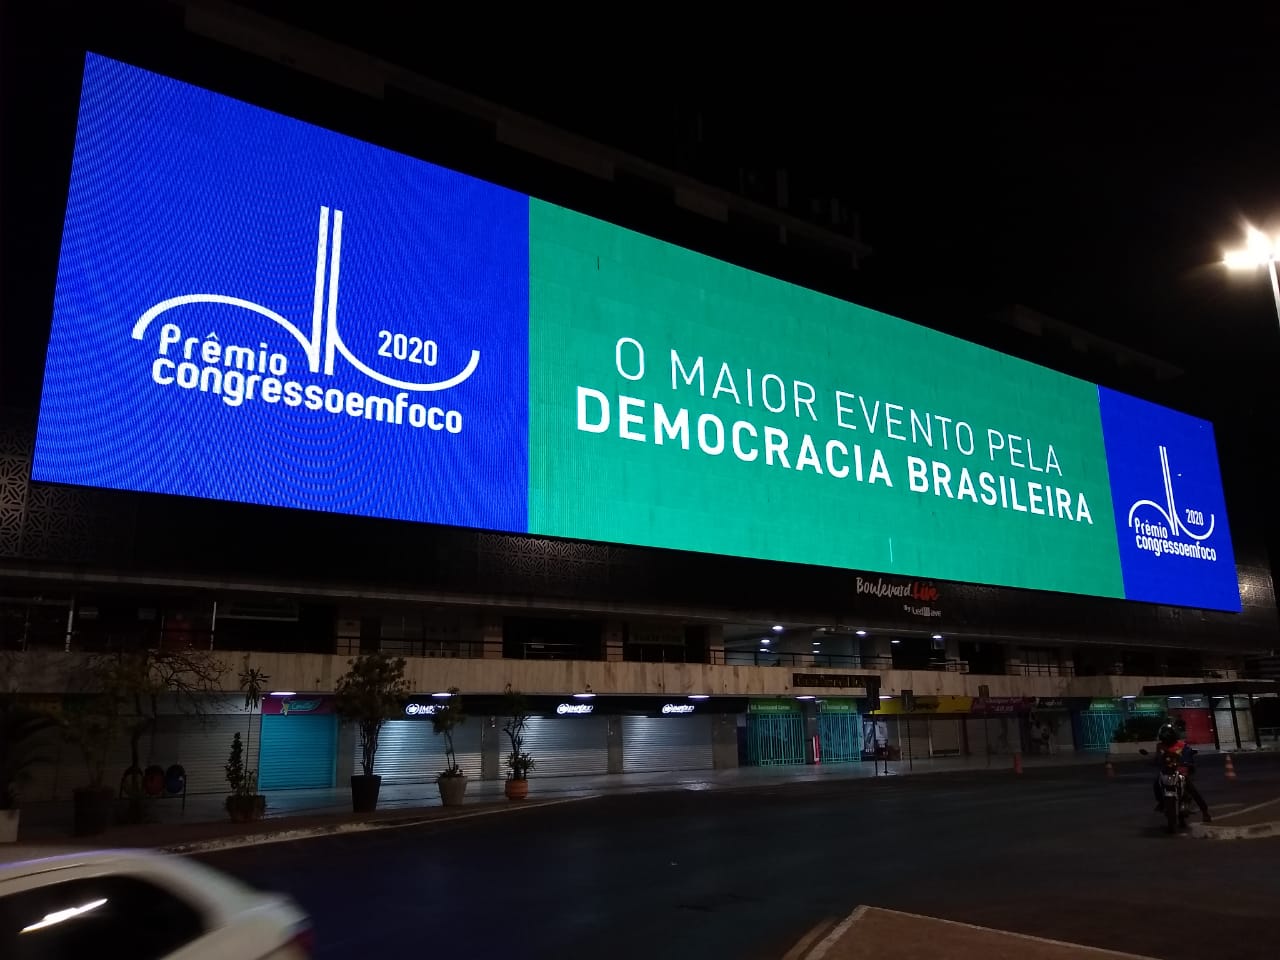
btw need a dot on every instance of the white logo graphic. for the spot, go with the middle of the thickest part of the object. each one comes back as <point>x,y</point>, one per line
<point>328,342</point>
<point>1163,537</point>
<point>239,373</point>
<point>572,708</point>
<point>670,708</point>
<point>420,709</point>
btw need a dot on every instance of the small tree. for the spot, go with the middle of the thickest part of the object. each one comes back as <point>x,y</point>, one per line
<point>124,690</point>
<point>517,711</point>
<point>446,718</point>
<point>253,682</point>
<point>369,694</point>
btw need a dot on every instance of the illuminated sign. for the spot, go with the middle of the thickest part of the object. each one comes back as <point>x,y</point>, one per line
<point>574,708</point>
<point>280,315</point>
<point>419,709</point>
<point>670,708</point>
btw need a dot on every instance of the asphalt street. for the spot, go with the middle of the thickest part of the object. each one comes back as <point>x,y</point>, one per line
<point>1063,853</point>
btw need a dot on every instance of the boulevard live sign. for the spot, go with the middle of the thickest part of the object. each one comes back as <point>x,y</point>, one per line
<point>253,309</point>
<point>835,681</point>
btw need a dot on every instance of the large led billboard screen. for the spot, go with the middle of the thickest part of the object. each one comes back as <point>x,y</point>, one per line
<point>251,308</point>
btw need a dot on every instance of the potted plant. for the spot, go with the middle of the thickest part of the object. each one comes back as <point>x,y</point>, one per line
<point>518,760</point>
<point>370,693</point>
<point>244,803</point>
<point>452,781</point>
<point>19,727</point>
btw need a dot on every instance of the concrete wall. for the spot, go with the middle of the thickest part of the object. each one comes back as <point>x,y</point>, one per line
<point>51,672</point>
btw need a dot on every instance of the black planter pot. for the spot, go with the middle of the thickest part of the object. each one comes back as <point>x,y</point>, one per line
<point>364,792</point>
<point>91,810</point>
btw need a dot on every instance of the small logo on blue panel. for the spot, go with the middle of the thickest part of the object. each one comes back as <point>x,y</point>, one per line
<point>1161,528</point>
<point>1170,512</point>
<point>231,371</point>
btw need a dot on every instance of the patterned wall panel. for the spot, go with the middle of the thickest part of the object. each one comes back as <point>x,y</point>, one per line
<point>15,469</point>
<point>43,522</point>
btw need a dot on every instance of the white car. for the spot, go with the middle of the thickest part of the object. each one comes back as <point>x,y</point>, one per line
<point>142,905</point>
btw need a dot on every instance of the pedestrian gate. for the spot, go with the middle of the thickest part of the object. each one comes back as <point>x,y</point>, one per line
<point>839,737</point>
<point>775,739</point>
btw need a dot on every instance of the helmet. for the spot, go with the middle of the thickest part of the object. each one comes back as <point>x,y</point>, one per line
<point>1167,736</point>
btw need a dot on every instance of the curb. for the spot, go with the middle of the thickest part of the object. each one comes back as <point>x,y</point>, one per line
<point>338,829</point>
<point>1254,831</point>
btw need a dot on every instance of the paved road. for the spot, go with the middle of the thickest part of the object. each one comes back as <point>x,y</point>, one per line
<point>745,873</point>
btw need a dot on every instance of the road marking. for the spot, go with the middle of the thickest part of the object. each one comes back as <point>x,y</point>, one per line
<point>834,936</point>
<point>1256,806</point>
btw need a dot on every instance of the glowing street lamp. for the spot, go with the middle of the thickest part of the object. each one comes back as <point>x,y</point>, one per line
<point>1260,251</point>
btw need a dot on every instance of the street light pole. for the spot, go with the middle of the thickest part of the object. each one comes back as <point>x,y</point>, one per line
<point>1260,250</point>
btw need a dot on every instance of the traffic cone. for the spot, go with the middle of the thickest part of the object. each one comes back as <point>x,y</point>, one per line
<point>1017,763</point>
<point>1229,771</point>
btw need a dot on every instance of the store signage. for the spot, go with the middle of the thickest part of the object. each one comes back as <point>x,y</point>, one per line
<point>837,706</point>
<point>772,706</point>
<point>676,708</point>
<point>842,681</point>
<point>287,706</point>
<point>1051,703</point>
<point>289,317</point>
<point>918,598</point>
<point>568,709</point>
<point>1002,705</point>
<point>420,709</point>
<point>1148,705</point>
<point>927,704</point>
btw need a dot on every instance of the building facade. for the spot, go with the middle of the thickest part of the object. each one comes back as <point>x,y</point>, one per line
<point>773,633</point>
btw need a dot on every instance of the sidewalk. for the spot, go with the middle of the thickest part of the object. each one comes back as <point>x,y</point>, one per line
<point>293,814</point>
<point>1252,823</point>
<point>873,933</point>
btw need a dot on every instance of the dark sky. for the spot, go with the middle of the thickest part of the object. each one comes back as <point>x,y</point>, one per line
<point>1092,166</point>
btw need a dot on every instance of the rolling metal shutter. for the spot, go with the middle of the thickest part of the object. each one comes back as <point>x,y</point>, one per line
<point>913,736</point>
<point>568,746</point>
<point>409,751</point>
<point>944,736</point>
<point>653,744</point>
<point>202,745</point>
<point>298,751</point>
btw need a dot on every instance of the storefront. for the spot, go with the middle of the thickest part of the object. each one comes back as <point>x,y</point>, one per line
<point>675,736</point>
<point>410,751</point>
<point>197,741</point>
<point>1049,727</point>
<point>839,731</point>
<point>927,726</point>
<point>775,733</point>
<point>298,744</point>
<point>570,738</point>
<point>998,726</point>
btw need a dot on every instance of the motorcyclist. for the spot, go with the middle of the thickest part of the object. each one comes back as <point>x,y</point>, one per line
<point>1171,749</point>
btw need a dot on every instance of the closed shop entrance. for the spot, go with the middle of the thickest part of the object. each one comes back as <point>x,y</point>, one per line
<point>775,733</point>
<point>568,744</point>
<point>652,744</point>
<point>839,732</point>
<point>298,751</point>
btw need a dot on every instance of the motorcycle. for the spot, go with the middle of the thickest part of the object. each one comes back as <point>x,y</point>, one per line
<point>1176,805</point>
